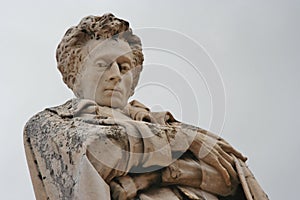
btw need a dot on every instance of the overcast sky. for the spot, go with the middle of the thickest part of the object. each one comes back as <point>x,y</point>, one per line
<point>205,61</point>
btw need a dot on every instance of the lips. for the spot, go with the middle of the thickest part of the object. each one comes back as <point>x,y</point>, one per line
<point>113,90</point>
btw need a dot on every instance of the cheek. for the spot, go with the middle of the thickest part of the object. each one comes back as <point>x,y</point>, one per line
<point>89,82</point>
<point>127,82</point>
<point>101,77</point>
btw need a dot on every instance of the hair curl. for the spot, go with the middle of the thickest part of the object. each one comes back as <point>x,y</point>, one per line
<point>70,53</point>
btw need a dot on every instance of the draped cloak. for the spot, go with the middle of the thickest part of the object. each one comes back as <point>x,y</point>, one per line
<point>74,150</point>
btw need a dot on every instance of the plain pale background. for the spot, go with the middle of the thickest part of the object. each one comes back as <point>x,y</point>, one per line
<point>254,44</point>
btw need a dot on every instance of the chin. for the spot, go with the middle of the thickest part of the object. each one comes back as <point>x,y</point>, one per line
<point>117,105</point>
<point>112,103</point>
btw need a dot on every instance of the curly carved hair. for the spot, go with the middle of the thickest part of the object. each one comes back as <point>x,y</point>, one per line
<point>70,52</point>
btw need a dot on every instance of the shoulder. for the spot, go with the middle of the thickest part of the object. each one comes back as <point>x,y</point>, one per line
<point>66,119</point>
<point>50,116</point>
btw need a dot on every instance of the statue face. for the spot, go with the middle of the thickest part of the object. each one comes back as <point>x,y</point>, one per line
<point>106,75</point>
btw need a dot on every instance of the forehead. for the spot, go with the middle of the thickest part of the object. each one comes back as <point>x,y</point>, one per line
<point>109,49</point>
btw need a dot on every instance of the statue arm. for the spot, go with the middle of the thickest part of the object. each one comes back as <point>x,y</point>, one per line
<point>213,151</point>
<point>205,145</point>
<point>183,172</point>
<point>56,150</point>
<point>210,149</point>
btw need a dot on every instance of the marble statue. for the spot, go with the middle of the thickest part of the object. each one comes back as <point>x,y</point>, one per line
<point>100,146</point>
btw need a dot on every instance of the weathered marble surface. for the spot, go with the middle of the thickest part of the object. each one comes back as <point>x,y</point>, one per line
<point>75,151</point>
<point>99,146</point>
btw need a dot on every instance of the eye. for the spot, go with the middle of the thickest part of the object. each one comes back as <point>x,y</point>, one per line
<point>102,65</point>
<point>124,67</point>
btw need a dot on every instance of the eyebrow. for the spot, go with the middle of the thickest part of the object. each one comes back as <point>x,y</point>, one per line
<point>125,58</point>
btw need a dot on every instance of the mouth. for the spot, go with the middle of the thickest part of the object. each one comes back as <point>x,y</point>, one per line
<point>114,90</point>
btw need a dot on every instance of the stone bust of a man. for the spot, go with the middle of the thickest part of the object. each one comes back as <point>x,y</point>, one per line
<point>100,146</point>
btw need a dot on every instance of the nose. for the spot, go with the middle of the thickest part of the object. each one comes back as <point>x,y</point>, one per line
<point>114,73</point>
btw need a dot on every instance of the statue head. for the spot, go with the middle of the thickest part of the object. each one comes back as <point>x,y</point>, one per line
<point>96,37</point>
